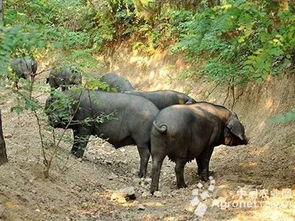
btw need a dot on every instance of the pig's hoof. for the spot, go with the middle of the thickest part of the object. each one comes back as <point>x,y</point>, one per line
<point>204,177</point>
<point>153,189</point>
<point>78,154</point>
<point>211,173</point>
<point>141,174</point>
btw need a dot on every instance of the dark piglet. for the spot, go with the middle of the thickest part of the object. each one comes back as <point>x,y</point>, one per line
<point>130,122</point>
<point>23,68</point>
<point>187,132</point>
<point>116,82</point>
<point>63,78</point>
<point>164,98</point>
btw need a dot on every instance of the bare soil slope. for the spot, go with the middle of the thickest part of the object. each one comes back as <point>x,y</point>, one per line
<point>83,190</point>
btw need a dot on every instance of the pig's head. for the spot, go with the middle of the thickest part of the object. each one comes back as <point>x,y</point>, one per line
<point>59,109</point>
<point>234,131</point>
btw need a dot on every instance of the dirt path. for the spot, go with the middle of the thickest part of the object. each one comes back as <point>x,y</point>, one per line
<point>83,190</point>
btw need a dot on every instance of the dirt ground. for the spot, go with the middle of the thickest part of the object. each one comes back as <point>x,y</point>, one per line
<point>252,182</point>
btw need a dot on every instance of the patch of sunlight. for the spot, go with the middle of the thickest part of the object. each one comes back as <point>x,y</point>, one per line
<point>133,203</point>
<point>269,103</point>
<point>170,218</point>
<point>249,165</point>
<point>11,205</point>
<point>138,60</point>
<point>163,72</point>
<point>154,204</point>
<point>148,217</point>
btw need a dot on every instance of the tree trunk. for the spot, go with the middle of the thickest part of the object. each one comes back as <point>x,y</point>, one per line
<point>3,155</point>
<point>1,13</point>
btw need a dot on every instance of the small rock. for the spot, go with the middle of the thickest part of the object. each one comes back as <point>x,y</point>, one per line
<point>137,180</point>
<point>134,171</point>
<point>141,183</point>
<point>141,207</point>
<point>112,177</point>
<point>190,208</point>
<point>146,194</point>
<point>201,209</point>
<point>123,162</point>
<point>157,194</point>
<point>211,178</point>
<point>8,135</point>
<point>108,162</point>
<point>195,201</point>
<point>85,205</point>
<point>199,185</point>
<point>211,188</point>
<point>212,182</point>
<point>124,195</point>
<point>80,159</point>
<point>37,210</point>
<point>129,193</point>
<point>204,195</point>
<point>195,192</point>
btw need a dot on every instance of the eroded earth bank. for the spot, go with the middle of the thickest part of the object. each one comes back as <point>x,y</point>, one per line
<point>252,182</point>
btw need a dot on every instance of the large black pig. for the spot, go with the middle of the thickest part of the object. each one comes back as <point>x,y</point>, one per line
<point>187,132</point>
<point>164,98</point>
<point>116,82</point>
<point>129,122</point>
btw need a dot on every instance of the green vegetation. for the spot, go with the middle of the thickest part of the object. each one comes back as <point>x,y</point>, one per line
<point>239,41</point>
<point>283,118</point>
<point>234,41</point>
<point>228,41</point>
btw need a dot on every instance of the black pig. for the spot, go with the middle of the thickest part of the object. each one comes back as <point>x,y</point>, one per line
<point>131,123</point>
<point>187,132</point>
<point>164,98</point>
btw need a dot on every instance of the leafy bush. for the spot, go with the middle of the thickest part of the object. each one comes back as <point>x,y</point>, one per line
<point>235,41</point>
<point>238,42</point>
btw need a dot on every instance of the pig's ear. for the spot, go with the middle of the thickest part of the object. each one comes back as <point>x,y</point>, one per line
<point>235,127</point>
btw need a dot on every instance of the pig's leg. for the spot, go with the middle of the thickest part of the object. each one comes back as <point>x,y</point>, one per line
<point>199,165</point>
<point>157,161</point>
<point>81,137</point>
<point>144,154</point>
<point>203,160</point>
<point>200,168</point>
<point>179,168</point>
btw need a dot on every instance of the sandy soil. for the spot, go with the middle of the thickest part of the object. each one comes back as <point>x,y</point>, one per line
<point>83,189</point>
